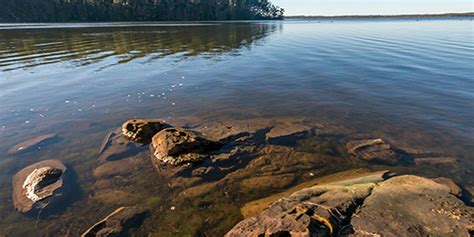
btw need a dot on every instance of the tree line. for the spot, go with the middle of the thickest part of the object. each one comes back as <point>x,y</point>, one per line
<point>136,10</point>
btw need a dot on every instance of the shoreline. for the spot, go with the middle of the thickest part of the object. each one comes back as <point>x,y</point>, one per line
<point>297,17</point>
<point>402,16</point>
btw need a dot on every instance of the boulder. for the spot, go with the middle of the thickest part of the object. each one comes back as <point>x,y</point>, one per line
<point>32,143</point>
<point>373,205</point>
<point>177,146</point>
<point>118,223</point>
<point>39,185</point>
<point>412,206</point>
<point>141,130</point>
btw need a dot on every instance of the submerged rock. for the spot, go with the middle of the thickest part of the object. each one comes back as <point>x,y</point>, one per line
<point>39,185</point>
<point>118,223</point>
<point>177,146</point>
<point>116,147</point>
<point>122,167</point>
<point>30,144</point>
<point>374,205</point>
<point>375,150</point>
<point>141,130</point>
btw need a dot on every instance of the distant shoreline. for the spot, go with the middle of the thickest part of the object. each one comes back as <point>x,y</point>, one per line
<point>406,16</point>
<point>467,14</point>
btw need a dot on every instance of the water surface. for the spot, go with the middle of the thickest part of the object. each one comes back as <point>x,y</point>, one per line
<point>409,81</point>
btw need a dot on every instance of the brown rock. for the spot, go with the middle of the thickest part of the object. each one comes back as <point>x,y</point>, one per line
<point>32,143</point>
<point>255,207</point>
<point>117,223</point>
<point>116,147</point>
<point>39,185</point>
<point>470,194</point>
<point>453,187</point>
<point>178,146</point>
<point>412,206</point>
<point>436,160</point>
<point>365,206</point>
<point>374,150</point>
<point>117,168</point>
<point>318,211</point>
<point>141,130</point>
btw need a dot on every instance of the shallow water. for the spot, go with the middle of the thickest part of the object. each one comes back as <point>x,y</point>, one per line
<point>405,80</point>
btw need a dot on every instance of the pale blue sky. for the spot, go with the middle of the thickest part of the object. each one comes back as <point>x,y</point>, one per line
<point>367,7</point>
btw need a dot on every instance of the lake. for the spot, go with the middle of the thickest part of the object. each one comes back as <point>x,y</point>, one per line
<point>410,81</point>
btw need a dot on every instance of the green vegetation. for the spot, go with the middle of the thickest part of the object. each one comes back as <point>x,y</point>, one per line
<point>136,10</point>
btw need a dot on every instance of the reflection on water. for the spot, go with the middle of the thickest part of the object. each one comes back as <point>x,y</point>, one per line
<point>30,47</point>
<point>409,82</point>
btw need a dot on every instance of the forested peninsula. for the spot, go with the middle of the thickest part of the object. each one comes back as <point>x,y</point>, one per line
<point>136,10</point>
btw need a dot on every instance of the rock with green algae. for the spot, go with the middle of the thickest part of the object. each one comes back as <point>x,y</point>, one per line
<point>374,205</point>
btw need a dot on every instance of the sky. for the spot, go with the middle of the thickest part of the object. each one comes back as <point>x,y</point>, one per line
<point>372,7</point>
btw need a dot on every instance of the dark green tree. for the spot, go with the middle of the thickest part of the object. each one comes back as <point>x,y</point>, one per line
<point>136,10</point>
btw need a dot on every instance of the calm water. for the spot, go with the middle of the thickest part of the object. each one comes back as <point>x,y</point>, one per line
<point>409,80</point>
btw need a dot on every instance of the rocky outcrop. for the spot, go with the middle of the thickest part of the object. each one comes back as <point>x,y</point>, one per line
<point>177,146</point>
<point>141,130</point>
<point>39,185</point>
<point>118,223</point>
<point>374,205</point>
<point>323,210</point>
<point>412,206</point>
<point>32,144</point>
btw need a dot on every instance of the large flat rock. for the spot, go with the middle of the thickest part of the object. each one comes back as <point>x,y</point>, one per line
<point>412,206</point>
<point>323,209</point>
<point>372,205</point>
